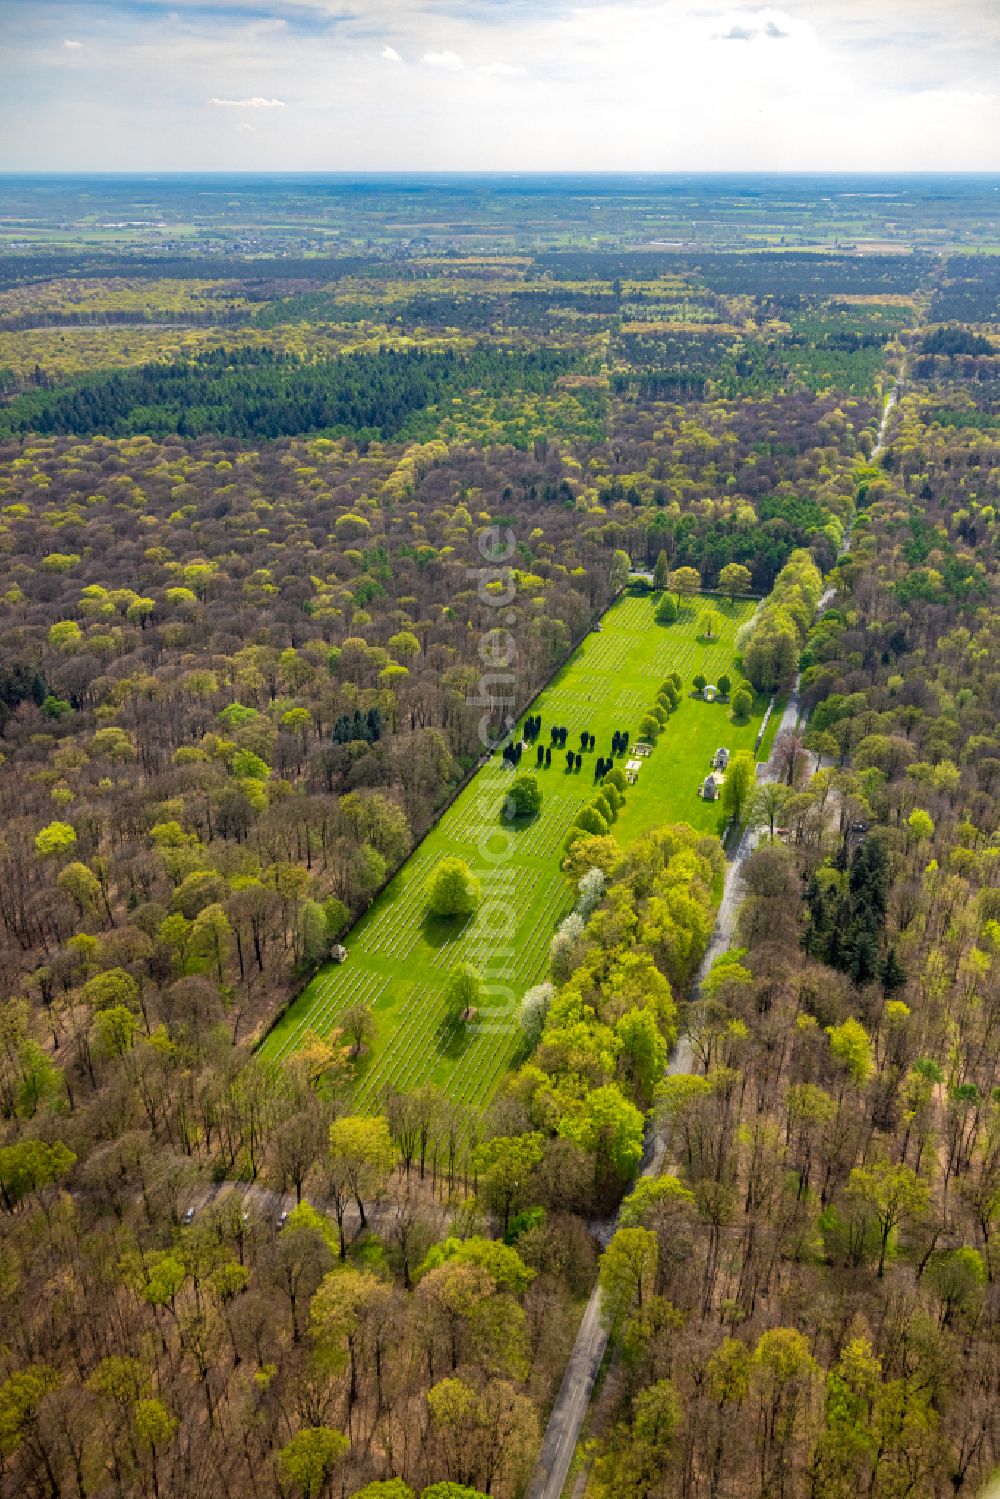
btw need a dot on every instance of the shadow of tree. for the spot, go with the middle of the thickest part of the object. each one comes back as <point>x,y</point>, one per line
<point>438,931</point>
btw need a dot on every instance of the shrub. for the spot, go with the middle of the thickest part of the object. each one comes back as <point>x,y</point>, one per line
<point>524,797</point>
<point>604,807</point>
<point>611,794</point>
<point>590,820</point>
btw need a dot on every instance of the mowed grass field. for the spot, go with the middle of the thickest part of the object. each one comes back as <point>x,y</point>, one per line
<point>399,958</point>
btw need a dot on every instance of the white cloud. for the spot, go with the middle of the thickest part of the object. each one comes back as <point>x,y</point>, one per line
<point>73,46</point>
<point>758,26</point>
<point>607,84</point>
<point>449,61</point>
<point>255,103</point>
<point>500,70</point>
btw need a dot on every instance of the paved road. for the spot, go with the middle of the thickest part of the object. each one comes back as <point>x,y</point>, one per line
<point>891,400</point>
<point>570,1408</point>
<point>265,1206</point>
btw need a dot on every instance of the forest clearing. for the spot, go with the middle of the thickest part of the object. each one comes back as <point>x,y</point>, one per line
<point>399,957</point>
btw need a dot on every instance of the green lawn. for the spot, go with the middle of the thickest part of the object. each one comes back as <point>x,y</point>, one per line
<point>398,958</point>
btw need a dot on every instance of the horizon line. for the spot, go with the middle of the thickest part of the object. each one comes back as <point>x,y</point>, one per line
<point>501,172</point>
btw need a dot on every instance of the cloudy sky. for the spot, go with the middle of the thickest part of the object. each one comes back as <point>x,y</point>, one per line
<point>650,85</point>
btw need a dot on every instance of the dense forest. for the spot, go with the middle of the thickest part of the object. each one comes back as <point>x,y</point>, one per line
<point>242,616</point>
<point>811,1299</point>
<point>260,393</point>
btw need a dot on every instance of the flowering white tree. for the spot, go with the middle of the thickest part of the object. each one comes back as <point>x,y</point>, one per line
<point>590,891</point>
<point>563,946</point>
<point>534,1008</point>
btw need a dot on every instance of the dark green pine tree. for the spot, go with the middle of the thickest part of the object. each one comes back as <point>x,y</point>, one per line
<point>891,972</point>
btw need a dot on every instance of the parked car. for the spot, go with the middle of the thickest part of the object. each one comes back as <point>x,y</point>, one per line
<point>188,1218</point>
<point>282,1220</point>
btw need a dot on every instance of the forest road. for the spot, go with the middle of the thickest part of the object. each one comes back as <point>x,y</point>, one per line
<point>570,1409</point>
<point>569,1412</point>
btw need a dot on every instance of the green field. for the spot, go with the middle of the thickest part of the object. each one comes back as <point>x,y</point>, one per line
<point>399,958</point>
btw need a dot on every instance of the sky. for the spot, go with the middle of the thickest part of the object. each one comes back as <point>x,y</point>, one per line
<point>499,85</point>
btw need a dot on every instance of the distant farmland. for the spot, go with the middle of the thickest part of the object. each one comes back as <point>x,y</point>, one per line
<point>399,958</point>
